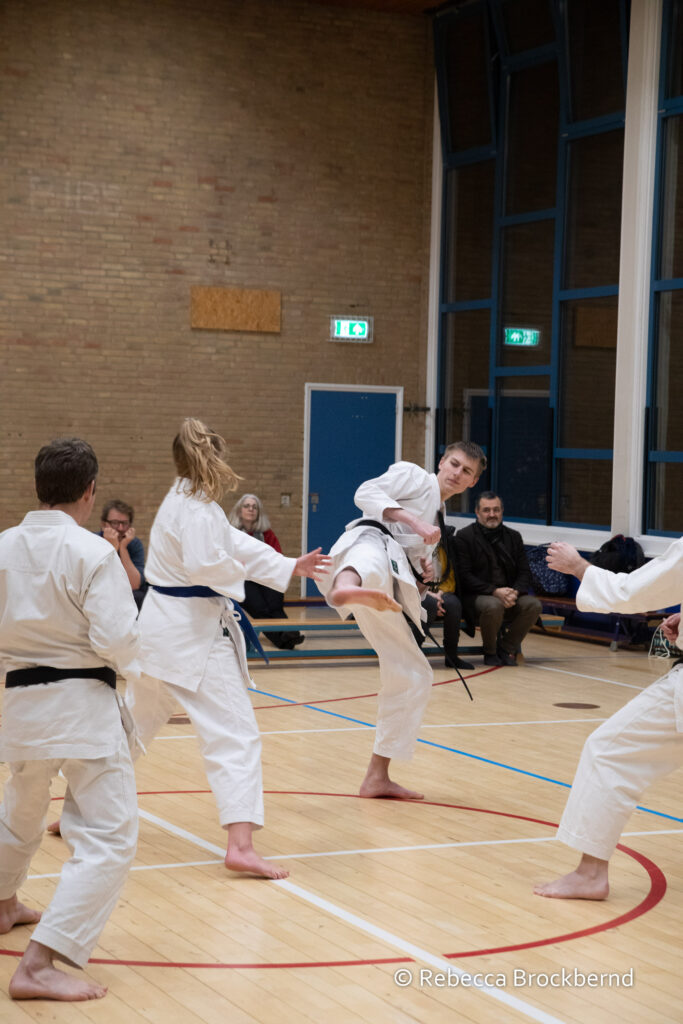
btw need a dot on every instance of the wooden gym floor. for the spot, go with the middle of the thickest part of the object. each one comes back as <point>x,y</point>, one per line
<point>385,897</point>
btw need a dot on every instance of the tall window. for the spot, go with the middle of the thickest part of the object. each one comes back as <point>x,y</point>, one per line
<point>664,491</point>
<point>532,96</point>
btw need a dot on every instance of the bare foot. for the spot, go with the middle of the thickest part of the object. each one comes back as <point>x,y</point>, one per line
<point>249,861</point>
<point>49,983</point>
<point>55,829</point>
<point>12,912</point>
<point>361,595</point>
<point>577,885</point>
<point>377,788</point>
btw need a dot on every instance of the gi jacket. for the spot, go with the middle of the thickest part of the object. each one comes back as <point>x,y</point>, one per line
<point>193,544</point>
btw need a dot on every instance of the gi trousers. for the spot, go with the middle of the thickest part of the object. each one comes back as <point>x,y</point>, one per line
<point>99,822</point>
<point>636,746</point>
<point>221,712</point>
<point>405,674</point>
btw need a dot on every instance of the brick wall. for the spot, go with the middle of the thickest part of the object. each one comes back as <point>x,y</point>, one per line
<point>150,147</point>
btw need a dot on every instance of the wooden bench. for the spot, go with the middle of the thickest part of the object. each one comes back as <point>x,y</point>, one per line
<point>332,625</point>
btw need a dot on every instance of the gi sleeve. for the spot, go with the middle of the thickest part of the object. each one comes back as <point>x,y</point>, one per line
<point>401,482</point>
<point>657,584</point>
<point>110,609</point>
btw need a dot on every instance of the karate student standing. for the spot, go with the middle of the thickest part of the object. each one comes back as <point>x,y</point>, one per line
<point>196,563</point>
<point>373,576</point>
<point>67,624</point>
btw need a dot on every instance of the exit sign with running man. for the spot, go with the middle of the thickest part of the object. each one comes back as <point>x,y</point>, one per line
<point>351,329</point>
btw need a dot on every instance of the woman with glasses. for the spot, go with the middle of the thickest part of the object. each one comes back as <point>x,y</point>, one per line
<point>192,649</point>
<point>262,602</point>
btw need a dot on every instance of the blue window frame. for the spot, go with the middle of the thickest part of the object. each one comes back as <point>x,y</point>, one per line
<point>532,216</point>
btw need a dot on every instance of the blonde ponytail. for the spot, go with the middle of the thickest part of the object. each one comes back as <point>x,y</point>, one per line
<point>198,453</point>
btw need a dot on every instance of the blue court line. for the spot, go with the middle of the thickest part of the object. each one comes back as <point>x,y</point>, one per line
<point>454,750</point>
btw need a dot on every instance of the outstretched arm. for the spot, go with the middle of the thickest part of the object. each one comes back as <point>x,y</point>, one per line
<point>564,558</point>
<point>314,565</point>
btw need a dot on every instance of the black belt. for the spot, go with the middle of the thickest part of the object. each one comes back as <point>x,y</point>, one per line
<point>41,674</point>
<point>383,528</point>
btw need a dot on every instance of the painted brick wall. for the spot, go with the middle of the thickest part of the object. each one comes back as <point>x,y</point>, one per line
<point>149,147</point>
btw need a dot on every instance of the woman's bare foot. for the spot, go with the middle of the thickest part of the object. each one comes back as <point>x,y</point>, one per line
<point>12,912</point>
<point>36,977</point>
<point>376,599</point>
<point>250,862</point>
<point>55,828</point>
<point>588,882</point>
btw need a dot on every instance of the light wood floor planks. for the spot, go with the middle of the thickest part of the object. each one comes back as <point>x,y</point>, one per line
<point>377,886</point>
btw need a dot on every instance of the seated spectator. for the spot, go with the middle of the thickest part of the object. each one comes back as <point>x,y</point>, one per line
<point>260,602</point>
<point>494,575</point>
<point>118,529</point>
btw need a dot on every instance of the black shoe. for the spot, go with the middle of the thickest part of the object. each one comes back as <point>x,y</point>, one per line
<point>297,638</point>
<point>507,658</point>
<point>492,659</point>
<point>458,663</point>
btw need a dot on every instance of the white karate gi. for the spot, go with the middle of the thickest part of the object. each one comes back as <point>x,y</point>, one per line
<point>65,601</point>
<point>184,655</point>
<point>643,741</point>
<point>382,563</point>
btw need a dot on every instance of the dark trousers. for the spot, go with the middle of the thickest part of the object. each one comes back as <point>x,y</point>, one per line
<point>261,602</point>
<point>518,620</point>
<point>450,619</point>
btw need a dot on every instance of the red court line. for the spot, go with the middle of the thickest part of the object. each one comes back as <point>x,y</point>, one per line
<point>653,897</point>
<point>362,696</point>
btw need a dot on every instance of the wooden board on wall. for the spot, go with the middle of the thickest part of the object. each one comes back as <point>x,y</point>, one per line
<point>235,309</point>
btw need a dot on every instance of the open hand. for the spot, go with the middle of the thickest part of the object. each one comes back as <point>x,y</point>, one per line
<point>314,565</point>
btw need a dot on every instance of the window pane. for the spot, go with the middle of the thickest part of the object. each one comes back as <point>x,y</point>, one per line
<point>527,290</point>
<point>589,351</point>
<point>671,255</point>
<point>532,139</point>
<point>466,395</point>
<point>524,446</point>
<point>527,24</point>
<point>584,491</point>
<point>675,44</point>
<point>594,210</point>
<point>595,58</point>
<point>666,496</point>
<point>466,55</point>
<point>469,218</point>
<point>668,433</point>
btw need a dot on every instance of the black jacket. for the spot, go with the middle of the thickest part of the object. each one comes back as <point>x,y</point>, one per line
<point>475,562</point>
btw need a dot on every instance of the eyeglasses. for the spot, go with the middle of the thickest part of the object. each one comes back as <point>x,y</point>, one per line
<point>118,524</point>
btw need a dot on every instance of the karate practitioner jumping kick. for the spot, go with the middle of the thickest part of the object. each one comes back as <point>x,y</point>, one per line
<point>639,744</point>
<point>373,577</point>
<point>67,624</point>
<point>197,561</point>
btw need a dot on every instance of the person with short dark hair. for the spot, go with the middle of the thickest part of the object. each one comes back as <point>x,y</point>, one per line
<point>494,574</point>
<point>381,565</point>
<point>60,650</point>
<point>117,527</point>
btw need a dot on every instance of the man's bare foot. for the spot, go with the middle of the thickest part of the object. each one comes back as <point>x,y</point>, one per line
<point>377,599</point>
<point>49,983</point>
<point>55,829</point>
<point>249,861</point>
<point>12,912</point>
<point>588,882</point>
<point>377,788</point>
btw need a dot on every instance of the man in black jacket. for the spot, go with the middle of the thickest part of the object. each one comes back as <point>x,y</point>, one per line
<point>494,577</point>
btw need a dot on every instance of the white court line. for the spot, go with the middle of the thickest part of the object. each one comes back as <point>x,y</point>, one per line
<point>580,675</point>
<point>447,725</point>
<point>352,853</point>
<point>416,952</point>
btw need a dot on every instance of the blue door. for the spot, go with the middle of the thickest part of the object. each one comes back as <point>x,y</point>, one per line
<point>352,437</point>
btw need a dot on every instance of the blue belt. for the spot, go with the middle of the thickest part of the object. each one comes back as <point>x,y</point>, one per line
<point>245,625</point>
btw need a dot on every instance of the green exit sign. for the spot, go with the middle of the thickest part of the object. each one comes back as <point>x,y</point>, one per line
<point>522,336</point>
<point>348,329</point>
